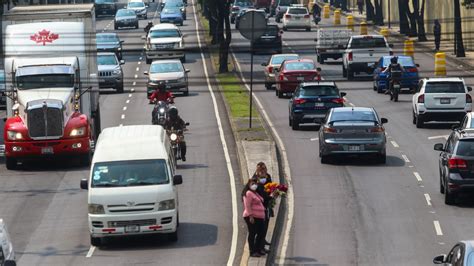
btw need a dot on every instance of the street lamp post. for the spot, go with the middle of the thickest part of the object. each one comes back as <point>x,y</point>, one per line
<point>389,15</point>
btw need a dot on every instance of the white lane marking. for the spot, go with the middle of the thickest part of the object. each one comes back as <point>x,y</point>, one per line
<point>134,83</point>
<point>123,116</point>
<point>121,125</point>
<point>139,62</point>
<point>133,89</point>
<point>136,76</point>
<point>125,108</point>
<point>394,144</point>
<point>428,199</point>
<point>141,58</point>
<point>235,224</point>
<point>137,69</point>
<point>130,95</point>
<point>405,158</point>
<point>437,226</point>
<point>439,137</point>
<point>127,101</point>
<point>90,252</point>
<point>286,169</point>
<point>418,176</point>
<point>314,139</point>
<point>351,104</point>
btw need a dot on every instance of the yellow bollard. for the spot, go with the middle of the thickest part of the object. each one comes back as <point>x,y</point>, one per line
<point>337,17</point>
<point>350,22</point>
<point>440,64</point>
<point>409,48</point>
<point>326,11</point>
<point>363,28</point>
<point>385,32</point>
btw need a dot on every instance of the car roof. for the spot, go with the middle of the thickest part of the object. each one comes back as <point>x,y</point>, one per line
<point>365,36</point>
<point>322,83</point>
<point>398,56</point>
<point>106,33</point>
<point>105,53</point>
<point>164,26</point>
<point>300,60</point>
<point>281,55</point>
<point>455,79</point>
<point>166,61</point>
<point>356,108</point>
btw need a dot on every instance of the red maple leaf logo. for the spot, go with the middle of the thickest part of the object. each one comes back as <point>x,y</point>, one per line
<point>44,37</point>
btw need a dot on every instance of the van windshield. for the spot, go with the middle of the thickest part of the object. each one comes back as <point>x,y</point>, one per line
<point>45,81</point>
<point>130,173</point>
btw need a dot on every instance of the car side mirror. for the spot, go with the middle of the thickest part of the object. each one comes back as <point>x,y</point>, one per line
<point>315,39</point>
<point>263,64</point>
<point>122,62</point>
<point>469,88</point>
<point>177,180</point>
<point>145,73</point>
<point>318,69</point>
<point>187,70</point>
<point>384,120</point>
<point>143,37</point>
<point>390,45</point>
<point>439,147</point>
<point>439,259</point>
<point>417,65</point>
<point>122,41</point>
<point>343,94</point>
<point>84,184</point>
<point>9,263</point>
<point>187,123</point>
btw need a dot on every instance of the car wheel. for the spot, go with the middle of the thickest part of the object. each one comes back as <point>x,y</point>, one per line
<point>136,26</point>
<point>321,60</point>
<point>120,89</point>
<point>382,158</point>
<point>344,73</point>
<point>173,237</point>
<point>441,184</point>
<point>11,163</point>
<point>295,125</point>
<point>181,24</point>
<point>279,94</point>
<point>277,20</point>
<point>325,159</point>
<point>308,29</point>
<point>148,60</point>
<point>350,74</point>
<point>146,16</point>
<point>115,27</point>
<point>186,93</point>
<point>96,241</point>
<point>414,117</point>
<point>232,20</point>
<point>449,197</point>
<point>290,121</point>
<point>419,122</point>
<point>268,85</point>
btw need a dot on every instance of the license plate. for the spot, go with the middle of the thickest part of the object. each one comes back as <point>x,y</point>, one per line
<point>445,101</point>
<point>319,104</point>
<point>101,80</point>
<point>297,18</point>
<point>132,229</point>
<point>168,86</point>
<point>354,148</point>
<point>300,78</point>
<point>47,150</point>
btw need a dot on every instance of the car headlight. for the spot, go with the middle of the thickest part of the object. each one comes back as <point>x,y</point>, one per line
<point>117,71</point>
<point>96,209</point>
<point>182,79</point>
<point>166,205</point>
<point>76,132</point>
<point>182,9</point>
<point>173,137</point>
<point>13,135</point>
<point>162,110</point>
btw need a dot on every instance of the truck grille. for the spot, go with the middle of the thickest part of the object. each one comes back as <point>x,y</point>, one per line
<point>164,46</point>
<point>105,73</point>
<point>133,222</point>
<point>45,123</point>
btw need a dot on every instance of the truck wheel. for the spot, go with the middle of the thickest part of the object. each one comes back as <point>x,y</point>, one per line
<point>308,29</point>
<point>96,241</point>
<point>350,74</point>
<point>11,163</point>
<point>173,237</point>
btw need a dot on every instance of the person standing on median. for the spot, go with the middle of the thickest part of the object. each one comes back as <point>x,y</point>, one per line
<point>254,216</point>
<point>264,178</point>
<point>437,34</point>
<point>360,5</point>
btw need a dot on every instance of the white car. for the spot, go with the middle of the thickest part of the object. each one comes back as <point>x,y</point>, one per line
<point>441,99</point>
<point>297,17</point>
<point>139,7</point>
<point>7,255</point>
<point>165,41</point>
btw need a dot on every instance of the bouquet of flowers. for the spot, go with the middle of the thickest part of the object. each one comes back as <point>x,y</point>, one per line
<point>276,190</point>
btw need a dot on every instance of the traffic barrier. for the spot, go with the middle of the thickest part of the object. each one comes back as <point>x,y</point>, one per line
<point>409,48</point>
<point>363,28</point>
<point>326,11</point>
<point>337,17</point>
<point>440,64</point>
<point>350,23</point>
<point>385,32</point>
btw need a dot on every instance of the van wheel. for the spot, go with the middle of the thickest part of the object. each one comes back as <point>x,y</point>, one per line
<point>96,241</point>
<point>173,237</point>
<point>11,163</point>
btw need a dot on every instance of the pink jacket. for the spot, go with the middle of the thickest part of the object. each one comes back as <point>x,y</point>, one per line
<point>253,205</point>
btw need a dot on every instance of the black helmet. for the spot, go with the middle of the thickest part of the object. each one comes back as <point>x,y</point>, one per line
<point>157,85</point>
<point>150,22</point>
<point>394,60</point>
<point>173,112</point>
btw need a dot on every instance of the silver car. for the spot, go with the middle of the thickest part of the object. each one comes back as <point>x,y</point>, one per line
<point>171,72</point>
<point>139,7</point>
<point>110,71</point>
<point>352,131</point>
<point>272,65</point>
<point>461,254</point>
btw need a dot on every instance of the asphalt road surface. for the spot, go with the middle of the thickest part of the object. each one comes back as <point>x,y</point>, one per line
<point>46,211</point>
<point>355,212</point>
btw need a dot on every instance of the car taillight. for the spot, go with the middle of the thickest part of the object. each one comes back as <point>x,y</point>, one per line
<point>306,16</point>
<point>421,98</point>
<point>287,16</point>
<point>412,70</point>
<point>376,130</point>
<point>456,163</point>
<point>282,77</point>
<point>338,100</point>
<point>350,57</point>
<point>328,129</point>
<point>270,69</point>
<point>299,101</point>
<point>468,98</point>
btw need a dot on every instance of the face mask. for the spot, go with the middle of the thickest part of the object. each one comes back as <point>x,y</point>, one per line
<point>253,187</point>
<point>263,180</point>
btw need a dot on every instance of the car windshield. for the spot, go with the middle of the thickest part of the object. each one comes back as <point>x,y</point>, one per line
<point>45,81</point>
<point>166,68</point>
<point>300,66</point>
<point>298,11</point>
<point>174,4</point>
<point>288,2</point>
<point>171,11</point>
<point>130,173</point>
<point>353,116</point>
<point>444,87</point>
<point>136,4</point>
<point>319,91</point>
<point>164,33</point>
<point>243,3</point>
<point>465,148</point>
<point>368,42</point>
<point>104,1</point>
<point>125,13</point>
<point>404,61</point>
<point>107,38</point>
<point>107,60</point>
<point>277,60</point>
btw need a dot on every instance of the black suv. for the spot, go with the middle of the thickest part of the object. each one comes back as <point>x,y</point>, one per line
<point>105,7</point>
<point>456,164</point>
<point>269,41</point>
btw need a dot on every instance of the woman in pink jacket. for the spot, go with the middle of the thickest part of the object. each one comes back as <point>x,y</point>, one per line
<point>254,216</point>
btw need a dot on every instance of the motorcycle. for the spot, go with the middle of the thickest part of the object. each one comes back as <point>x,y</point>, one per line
<point>160,113</point>
<point>395,85</point>
<point>176,138</point>
<point>316,18</point>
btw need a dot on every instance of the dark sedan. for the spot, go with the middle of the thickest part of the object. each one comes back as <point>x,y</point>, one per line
<point>125,18</point>
<point>171,15</point>
<point>311,102</point>
<point>109,42</point>
<point>270,41</point>
<point>237,6</point>
<point>105,7</point>
<point>352,131</point>
<point>410,77</point>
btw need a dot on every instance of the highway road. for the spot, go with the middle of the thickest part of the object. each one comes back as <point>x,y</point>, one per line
<point>353,212</point>
<point>46,211</point>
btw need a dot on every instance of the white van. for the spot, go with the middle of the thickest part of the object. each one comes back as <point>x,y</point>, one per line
<point>7,255</point>
<point>132,184</point>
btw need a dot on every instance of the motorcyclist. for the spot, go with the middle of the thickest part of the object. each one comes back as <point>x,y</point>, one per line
<point>160,93</point>
<point>316,13</point>
<point>148,26</point>
<point>393,69</point>
<point>175,122</point>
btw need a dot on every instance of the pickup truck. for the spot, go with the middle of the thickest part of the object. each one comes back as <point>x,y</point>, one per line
<point>330,43</point>
<point>362,52</point>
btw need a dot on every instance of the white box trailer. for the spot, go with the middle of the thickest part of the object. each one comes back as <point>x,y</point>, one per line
<point>330,43</point>
<point>44,44</point>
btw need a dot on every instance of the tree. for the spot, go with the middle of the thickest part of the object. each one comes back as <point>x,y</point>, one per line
<point>213,19</point>
<point>459,45</point>
<point>224,40</point>
<point>378,18</point>
<point>369,10</point>
<point>402,12</point>
<point>420,18</point>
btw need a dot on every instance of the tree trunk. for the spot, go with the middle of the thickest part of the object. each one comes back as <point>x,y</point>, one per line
<point>224,22</point>
<point>412,17</point>
<point>421,23</point>
<point>458,30</point>
<point>369,10</point>
<point>402,12</point>
<point>378,20</point>
<point>213,20</point>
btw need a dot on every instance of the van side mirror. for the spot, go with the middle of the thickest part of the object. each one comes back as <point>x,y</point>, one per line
<point>187,123</point>
<point>343,94</point>
<point>84,184</point>
<point>177,180</point>
<point>384,120</point>
<point>439,147</point>
<point>439,259</point>
<point>469,88</point>
<point>187,70</point>
<point>145,73</point>
<point>122,62</point>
